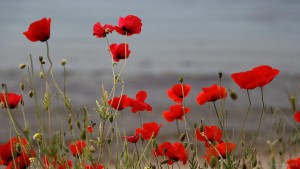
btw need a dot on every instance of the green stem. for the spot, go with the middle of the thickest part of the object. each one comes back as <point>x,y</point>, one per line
<point>245,119</point>
<point>220,121</point>
<point>260,119</point>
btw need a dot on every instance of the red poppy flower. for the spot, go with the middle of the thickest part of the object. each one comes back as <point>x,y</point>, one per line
<point>101,31</point>
<point>120,51</point>
<point>178,92</point>
<point>10,156</point>
<point>133,139</point>
<point>211,94</point>
<point>39,30</point>
<point>50,163</point>
<point>174,152</point>
<point>257,77</point>
<point>297,116</point>
<point>129,25</point>
<point>90,129</point>
<point>119,103</point>
<point>11,98</point>
<point>293,163</point>
<point>176,112</point>
<point>220,149</point>
<point>95,166</point>
<point>20,162</point>
<point>139,104</point>
<point>149,130</point>
<point>78,147</point>
<point>210,133</point>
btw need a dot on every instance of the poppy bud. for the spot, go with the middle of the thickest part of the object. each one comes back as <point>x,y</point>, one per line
<point>201,128</point>
<point>293,102</point>
<point>30,93</point>
<point>108,141</point>
<point>233,95</point>
<point>22,86</point>
<point>185,144</point>
<point>63,62</point>
<point>192,146</point>
<point>18,148</point>
<point>112,130</point>
<point>41,59</point>
<point>165,161</point>
<point>70,127</point>
<point>220,75</point>
<point>69,120</point>
<point>213,161</point>
<point>38,136</point>
<point>180,79</point>
<point>111,118</point>
<point>182,136</point>
<point>22,65</point>
<point>41,75</point>
<point>78,124</point>
<point>83,135</point>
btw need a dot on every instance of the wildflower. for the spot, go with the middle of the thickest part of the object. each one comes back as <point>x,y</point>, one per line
<point>90,129</point>
<point>212,134</point>
<point>297,116</point>
<point>120,51</point>
<point>101,31</point>
<point>133,139</point>
<point>149,130</point>
<point>11,98</point>
<point>175,113</point>
<point>39,30</point>
<point>139,104</point>
<point>293,163</point>
<point>119,103</point>
<point>211,94</point>
<point>219,150</point>
<point>174,152</point>
<point>178,92</point>
<point>129,25</point>
<point>78,147</point>
<point>50,163</point>
<point>15,151</point>
<point>95,166</point>
<point>257,77</point>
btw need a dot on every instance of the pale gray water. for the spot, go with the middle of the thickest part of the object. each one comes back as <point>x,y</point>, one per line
<point>199,37</point>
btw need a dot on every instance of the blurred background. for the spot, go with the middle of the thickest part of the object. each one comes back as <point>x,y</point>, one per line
<point>195,39</point>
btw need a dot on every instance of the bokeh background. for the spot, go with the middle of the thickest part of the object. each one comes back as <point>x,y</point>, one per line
<point>193,38</point>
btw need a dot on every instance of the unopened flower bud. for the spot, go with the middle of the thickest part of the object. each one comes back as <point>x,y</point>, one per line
<point>78,124</point>
<point>22,65</point>
<point>22,86</point>
<point>38,136</point>
<point>233,95</point>
<point>41,59</point>
<point>63,62</point>
<point>182,136</point>
<point>18,148</point>
<point>111,118</point>
<point>41,75</point>
<point>83,135</point>
<point>180,79</point>
<point>220,74</point>
<point>30,93</point>
<point>92,149</point>
<point>293,102</point>
<point>165,161</point>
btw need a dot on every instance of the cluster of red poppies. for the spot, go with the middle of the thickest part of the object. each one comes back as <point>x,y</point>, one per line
<point>16,153</point>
